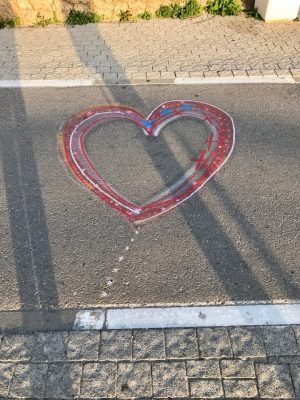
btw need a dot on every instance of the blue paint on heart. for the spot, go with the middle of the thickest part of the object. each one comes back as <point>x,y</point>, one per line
<point>166,111</point>
<point>185,107</point>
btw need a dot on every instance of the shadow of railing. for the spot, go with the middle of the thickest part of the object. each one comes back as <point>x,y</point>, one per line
<point>202,223</point>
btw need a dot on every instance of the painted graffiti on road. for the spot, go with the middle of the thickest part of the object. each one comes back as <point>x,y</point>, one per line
<point>210,159</point>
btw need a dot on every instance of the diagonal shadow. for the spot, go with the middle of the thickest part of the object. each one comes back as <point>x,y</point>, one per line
<point>28,225</point>
<point>202,223</point>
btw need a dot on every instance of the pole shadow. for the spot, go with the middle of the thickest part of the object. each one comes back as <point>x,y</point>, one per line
<point>28,225</point>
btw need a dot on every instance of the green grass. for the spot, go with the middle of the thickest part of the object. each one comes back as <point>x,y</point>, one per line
<point>223,7</point>
<point>76,17</point>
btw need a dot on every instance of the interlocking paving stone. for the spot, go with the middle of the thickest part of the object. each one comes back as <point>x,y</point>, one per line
<point>115,345</point>
<point>289,359</point>
<point>203,369</point>
<point>247,342</point>
<point>134,380</point>
<point>242,43</point>
<point>83,345</point>
<point>17,347</point>
<point>274,380</point>
<point>28,380</point>
<point>208,389</point>
<point>181,343</point>
<point>295,372</point>
<point>225,73</point>
<point>148,344</point>
<point>99,380</point>
<point>237,369</point>
<point>240,388</point>
<point>240,72</point>
<point>63,380</point>
<point>280,340</point>
<point>169,379</point>
<point>50,346</point>
<point>36,372</point>
<point>6,371</point>
<point>214,342</point>
<point>296,330</point>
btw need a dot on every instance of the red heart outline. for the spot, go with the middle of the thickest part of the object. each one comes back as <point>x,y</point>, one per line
<point>216,152</point>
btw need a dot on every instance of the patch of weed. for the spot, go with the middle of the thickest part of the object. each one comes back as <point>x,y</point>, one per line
<point>223,7</point>
<point>253,13</point>
<point>145,15</point>
<point>125,15</point>
<point>191,8</point>
<point>164,12</point>
<point>9,22</point>
<point>77,17</point>
<point>42,21</point>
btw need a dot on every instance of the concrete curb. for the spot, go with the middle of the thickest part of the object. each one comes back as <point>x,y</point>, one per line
<point>152,317</point>
<point>64,83</point>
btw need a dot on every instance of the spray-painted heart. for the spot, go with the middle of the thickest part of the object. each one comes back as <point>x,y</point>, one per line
<point>217,149</point>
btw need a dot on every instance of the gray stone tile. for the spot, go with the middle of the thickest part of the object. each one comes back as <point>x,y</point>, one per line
<point>214,342</point>
<point>115,345</point>
<point>6,371</point>
<point>253,72</point>
<point>275,380</point>
<point>134,380</point>
<point>28,380</point>
<point>63,380</point>
<point>296,330</point>
<point>83,345</point>
<point>50,346</point>
<point>181,343</point>
<point>149,344</point>
<point>239,72</point>
<point>203,369</point>
<point>237,388</point>
<point>289,359</point>
<point>247,342</point>
<point>99,380</point>
<point>225,74</point>
<point>16,347</point>
<point>237,369</point>
<point>279,341</point>
<point>295,372</point>
<point>169,379</point>
<point>208,388</point>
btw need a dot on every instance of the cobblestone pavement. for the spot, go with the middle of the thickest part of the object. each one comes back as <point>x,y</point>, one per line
<point>152,50</point>
<point>206,363</point>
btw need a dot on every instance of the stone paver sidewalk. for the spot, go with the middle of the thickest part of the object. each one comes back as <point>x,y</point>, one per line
<point>206,46</point>
<point>206,363</point>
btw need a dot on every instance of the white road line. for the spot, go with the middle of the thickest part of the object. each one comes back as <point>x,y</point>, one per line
<point>64,83</point>
<point>189,317</point>
<point>48,83</point>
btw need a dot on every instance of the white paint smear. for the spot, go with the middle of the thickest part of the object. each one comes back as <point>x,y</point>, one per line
<point>89,320</point>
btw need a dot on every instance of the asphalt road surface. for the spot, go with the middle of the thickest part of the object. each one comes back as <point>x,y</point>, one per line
<point>236,240</point>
